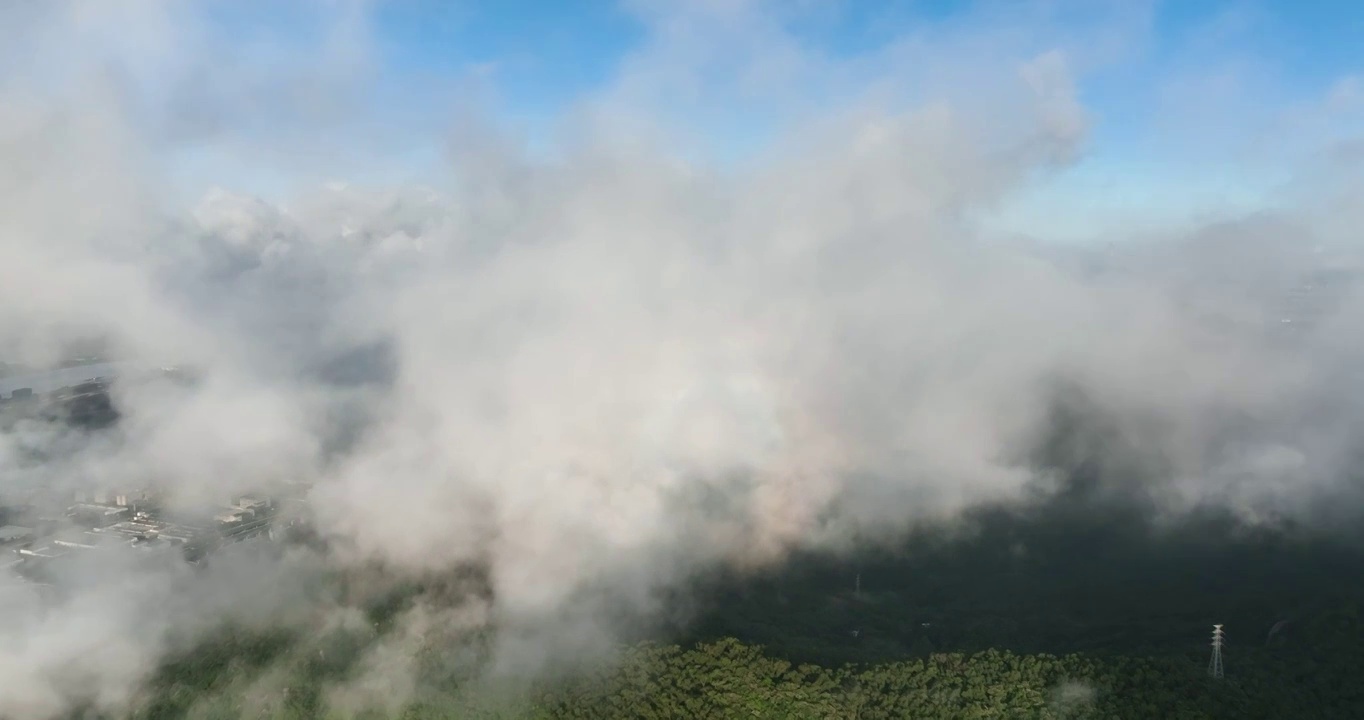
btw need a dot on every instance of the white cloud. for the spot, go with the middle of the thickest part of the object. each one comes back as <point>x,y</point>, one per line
<point>599,372</point>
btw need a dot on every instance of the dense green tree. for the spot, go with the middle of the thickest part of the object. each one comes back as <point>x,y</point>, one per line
<point>1050,617</point>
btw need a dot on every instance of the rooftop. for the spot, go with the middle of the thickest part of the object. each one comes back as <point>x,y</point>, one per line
<point>11,533</point>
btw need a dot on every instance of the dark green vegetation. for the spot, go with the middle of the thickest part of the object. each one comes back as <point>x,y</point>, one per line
<point>1083,602</point>
<point>1021,614</point>
<point>1127,607</point>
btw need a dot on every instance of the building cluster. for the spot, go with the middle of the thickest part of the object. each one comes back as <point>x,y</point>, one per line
<point>49,527</point>
<point>45,527</point>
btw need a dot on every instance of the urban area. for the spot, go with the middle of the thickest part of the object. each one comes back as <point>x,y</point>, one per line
<point>46,527</point>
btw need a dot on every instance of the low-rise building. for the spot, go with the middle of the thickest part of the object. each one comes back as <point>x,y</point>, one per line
<point>14,534</point>
<point>96,516</point>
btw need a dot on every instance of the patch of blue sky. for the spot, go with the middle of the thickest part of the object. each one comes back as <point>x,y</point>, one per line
<point>1190,102</point>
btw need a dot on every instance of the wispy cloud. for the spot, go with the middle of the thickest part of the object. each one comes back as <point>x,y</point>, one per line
<point>592,372</point>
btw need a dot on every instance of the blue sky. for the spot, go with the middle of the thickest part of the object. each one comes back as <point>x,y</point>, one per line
<point>549,52</point>
<point>1189,97</point>
<point>1208,116</point>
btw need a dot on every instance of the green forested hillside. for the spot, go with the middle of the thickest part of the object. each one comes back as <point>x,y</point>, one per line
<point>1015,618</point>
<point>728,679</point>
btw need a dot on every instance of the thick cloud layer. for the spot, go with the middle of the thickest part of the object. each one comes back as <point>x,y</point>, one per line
<point>597,371</point>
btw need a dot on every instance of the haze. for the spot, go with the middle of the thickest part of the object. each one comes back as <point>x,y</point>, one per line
<point>741,286</point>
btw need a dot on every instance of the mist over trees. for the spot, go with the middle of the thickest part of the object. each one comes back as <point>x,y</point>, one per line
<point>607,420</point>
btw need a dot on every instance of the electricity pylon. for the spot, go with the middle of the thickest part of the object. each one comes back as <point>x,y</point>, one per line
<point>1215,664</point>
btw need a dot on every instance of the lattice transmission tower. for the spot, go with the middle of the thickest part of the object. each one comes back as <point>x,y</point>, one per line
<point>1215,663</point>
